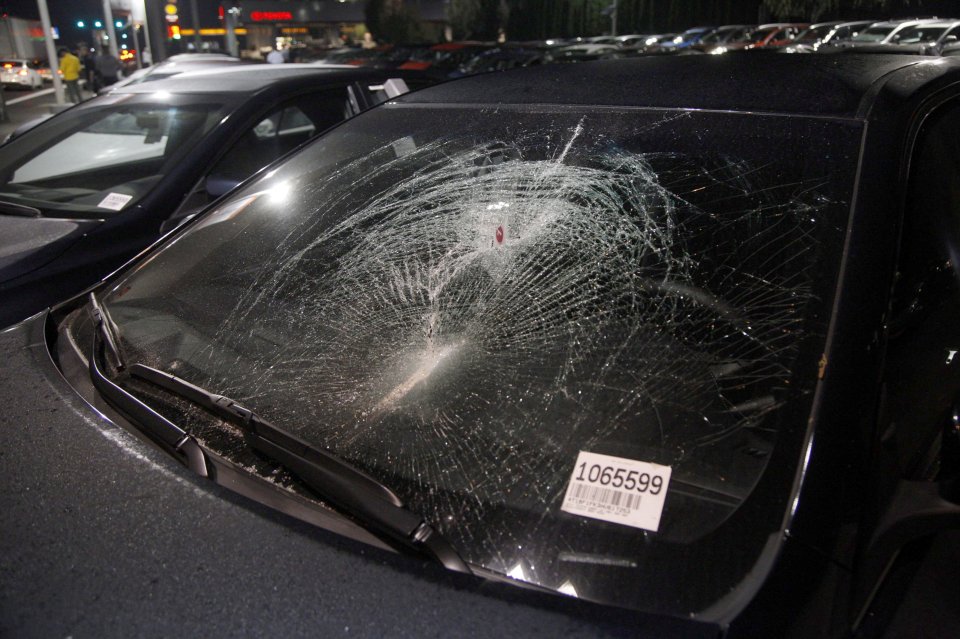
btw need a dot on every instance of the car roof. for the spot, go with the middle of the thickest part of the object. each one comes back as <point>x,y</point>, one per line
<point>903,23</point>
<point>246,78</point>
<point>826,85</point>
<point>939,23</point>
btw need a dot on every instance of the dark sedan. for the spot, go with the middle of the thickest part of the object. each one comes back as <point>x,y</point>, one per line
<point>83,192</point>
<point>584,329</point>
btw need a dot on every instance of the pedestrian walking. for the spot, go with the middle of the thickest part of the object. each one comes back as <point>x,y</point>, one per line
<point>89,68</point>
<point>70,69</point>
<point>108,68</point>
<point>275,57</point>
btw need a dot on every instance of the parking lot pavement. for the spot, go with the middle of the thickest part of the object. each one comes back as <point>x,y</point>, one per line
<point>23,106</point>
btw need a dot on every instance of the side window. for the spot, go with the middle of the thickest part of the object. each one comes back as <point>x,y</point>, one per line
<point>282,129</point>
<point>923,355</point>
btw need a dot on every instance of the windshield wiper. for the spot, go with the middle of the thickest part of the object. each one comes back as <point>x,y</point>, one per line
<point>107,330</point>
<point>165,433</point>
<point>21,210</point>
<point>364,498</point>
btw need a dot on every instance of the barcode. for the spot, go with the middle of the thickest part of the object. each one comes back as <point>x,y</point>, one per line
<point>605,496</point>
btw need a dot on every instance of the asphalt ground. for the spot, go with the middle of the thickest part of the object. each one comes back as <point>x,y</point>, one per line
<point>24,105</point>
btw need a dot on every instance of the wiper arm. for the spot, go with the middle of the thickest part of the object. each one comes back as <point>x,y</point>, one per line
<point>366,499</point>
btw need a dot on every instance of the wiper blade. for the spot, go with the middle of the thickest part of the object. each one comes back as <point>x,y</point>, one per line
<point>107,330</point>
<point>350,489</point>
<point>165,433</point>
<point>21,210</point>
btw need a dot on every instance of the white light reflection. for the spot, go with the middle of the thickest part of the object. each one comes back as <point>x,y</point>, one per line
<point>517,572</point>
<point>279,193</point>
<point>427,364</point>
<point>161,95</point>
<point>568,589</point>
<point>803,473</point>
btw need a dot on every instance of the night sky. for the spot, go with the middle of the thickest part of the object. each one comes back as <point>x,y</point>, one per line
<point>65,13</point>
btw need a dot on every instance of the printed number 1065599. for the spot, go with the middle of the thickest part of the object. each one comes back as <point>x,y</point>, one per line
<point>620,478</point>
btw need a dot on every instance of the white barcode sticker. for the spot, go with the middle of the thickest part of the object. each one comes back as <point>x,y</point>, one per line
<point>622,491</point>
<point>115,201</point>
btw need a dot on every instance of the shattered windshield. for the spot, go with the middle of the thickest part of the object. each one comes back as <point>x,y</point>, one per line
<point>575,341</point>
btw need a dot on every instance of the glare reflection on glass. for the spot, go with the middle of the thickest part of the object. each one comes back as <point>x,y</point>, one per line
<point>279,193</point>
<point>517,572</point>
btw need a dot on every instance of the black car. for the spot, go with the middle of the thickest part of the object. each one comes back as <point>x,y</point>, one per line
<point>686,357</point>
<point>86,190</point>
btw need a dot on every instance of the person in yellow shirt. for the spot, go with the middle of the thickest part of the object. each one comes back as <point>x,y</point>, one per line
<point>70,68</point>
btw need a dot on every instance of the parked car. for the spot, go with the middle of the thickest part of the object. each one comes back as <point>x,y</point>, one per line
<point>687,38</point>
<point>442,61</point>
<point>502,58</point>
<point>22,73</point>
<point>824,34</point>
<point>584,329</point>
<point>45,73</point>
<point>882,32</point>
<point>763,36</point>
<point>86,190</point>
<point>928,38</point>
<point>723,35</point>
<point>175,65</point>
<point>386,56</point>
<point>588,53</point>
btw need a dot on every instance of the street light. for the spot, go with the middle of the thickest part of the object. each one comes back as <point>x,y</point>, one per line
<point>97,24</point>
<point>81,24</point>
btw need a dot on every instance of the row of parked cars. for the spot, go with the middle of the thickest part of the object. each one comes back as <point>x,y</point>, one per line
<point>673,338</point>
<point>928,36</point>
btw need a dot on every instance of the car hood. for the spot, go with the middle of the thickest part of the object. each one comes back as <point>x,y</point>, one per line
<point>103,534</point>
<point>31,242</point>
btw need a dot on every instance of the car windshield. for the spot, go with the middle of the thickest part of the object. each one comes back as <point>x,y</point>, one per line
<point>102,157</point>
<point>920,34</point>
<point>474,308</point>
<point>873,34</point>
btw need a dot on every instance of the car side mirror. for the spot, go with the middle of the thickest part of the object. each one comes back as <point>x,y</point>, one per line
<point>950,38</point>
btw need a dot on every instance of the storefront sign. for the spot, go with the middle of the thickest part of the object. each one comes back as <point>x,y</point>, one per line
<point>270,16</point>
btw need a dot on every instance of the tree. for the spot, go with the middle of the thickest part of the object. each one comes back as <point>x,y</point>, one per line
<point>392,21</point>
<point>820,9</point>
<point>477,19</point>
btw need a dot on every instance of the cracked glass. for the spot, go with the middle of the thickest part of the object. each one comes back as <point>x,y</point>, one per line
<point>459,300</point>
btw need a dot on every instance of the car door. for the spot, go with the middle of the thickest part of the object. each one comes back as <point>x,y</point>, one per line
<point>922,371</point>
